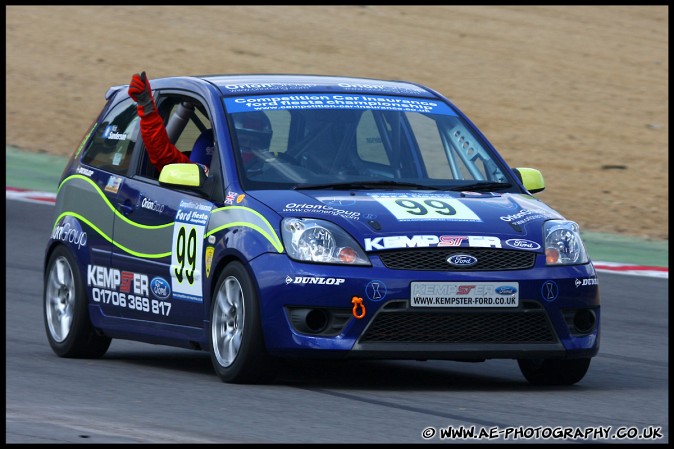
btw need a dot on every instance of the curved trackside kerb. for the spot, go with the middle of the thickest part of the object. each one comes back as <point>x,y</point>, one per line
<point>84,200</point>
<point>230,216</point>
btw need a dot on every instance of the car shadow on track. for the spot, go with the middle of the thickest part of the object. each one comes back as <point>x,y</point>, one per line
<point>492,375</point>
<point>397,375</point>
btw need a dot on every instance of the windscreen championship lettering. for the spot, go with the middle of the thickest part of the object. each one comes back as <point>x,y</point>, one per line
<point>336,101</point>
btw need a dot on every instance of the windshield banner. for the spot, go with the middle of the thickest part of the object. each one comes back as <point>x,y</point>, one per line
<point>336,101</point>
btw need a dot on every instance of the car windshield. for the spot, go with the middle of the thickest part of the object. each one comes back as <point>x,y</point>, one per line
<point>332,141</point>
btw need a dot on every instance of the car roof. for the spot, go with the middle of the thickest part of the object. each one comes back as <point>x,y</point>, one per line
<point>252,84</point>
<point>293,84</point>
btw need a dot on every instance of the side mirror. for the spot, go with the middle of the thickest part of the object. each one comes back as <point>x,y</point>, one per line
<point>187,175</point>
<point>531,178</point>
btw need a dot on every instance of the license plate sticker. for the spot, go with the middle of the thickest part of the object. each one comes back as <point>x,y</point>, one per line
<point>464,294</point>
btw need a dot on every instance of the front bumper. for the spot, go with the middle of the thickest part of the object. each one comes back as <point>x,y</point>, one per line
<point>309,310</point>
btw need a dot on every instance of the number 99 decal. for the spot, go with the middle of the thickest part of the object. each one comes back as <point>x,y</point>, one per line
<point>421,208</point>
<point>186,252</point>
<point>413,207</point>
<point>187,249</point>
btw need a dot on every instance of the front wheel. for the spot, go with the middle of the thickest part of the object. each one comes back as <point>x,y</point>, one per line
<point>66,312</point>
<point>237,345</point>
<point>554,371</point>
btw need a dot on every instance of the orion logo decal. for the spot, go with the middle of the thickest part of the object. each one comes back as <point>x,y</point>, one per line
<point>320,209</point>
<point>69,233</point>
<point>524,216</point>
<point>152,205</point>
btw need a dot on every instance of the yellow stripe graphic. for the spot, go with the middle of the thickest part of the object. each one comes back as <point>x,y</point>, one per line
<point>158,238</point>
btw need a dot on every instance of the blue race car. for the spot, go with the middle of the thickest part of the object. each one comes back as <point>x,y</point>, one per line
<point>340,217</point>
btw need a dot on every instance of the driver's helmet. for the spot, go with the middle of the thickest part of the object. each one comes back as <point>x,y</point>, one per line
<point>253,130</point>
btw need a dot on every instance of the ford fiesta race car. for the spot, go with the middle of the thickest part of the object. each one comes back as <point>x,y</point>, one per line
<point>372,220</point>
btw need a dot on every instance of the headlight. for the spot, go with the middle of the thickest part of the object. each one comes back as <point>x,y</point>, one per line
<point>563,245</point>
<point>310,240</point>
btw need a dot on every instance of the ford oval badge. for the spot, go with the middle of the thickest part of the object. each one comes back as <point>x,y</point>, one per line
<point>522,243</point>
<point>506,290</point>
<point>160,288</point>
<point>462,260</point>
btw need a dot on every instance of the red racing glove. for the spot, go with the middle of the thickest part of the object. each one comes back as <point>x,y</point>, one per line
<point>140,91</point>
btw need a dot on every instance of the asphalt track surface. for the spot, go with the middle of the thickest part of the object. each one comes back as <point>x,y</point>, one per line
<point>142,393</point>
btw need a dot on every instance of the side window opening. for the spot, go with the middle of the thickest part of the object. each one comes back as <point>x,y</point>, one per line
<point>112,145</point>
<point>196,124</point>
<point>185,120</point>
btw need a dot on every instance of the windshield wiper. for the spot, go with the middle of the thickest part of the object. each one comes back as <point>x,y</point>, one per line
<point>482,186</point>
<point>364,185</point>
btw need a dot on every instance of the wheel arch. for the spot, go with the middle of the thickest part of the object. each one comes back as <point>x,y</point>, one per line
<point>223,261</point>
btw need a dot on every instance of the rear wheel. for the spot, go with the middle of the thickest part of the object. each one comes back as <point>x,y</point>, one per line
<point>554,371</point>
<point>237,346</point>
<point>66,313</point>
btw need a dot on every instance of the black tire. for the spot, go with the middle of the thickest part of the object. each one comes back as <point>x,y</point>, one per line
<point>554,371</point>
<point>65,310</point>
<point>237,346</point>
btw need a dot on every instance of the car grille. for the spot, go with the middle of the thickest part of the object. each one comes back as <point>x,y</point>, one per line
<point>460,327</point>
<point>435,259</point>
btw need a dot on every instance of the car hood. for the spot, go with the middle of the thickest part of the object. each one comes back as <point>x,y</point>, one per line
<point>394,219</point>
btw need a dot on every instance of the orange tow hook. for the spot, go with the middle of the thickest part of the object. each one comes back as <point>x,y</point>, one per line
<point>358,302</point>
